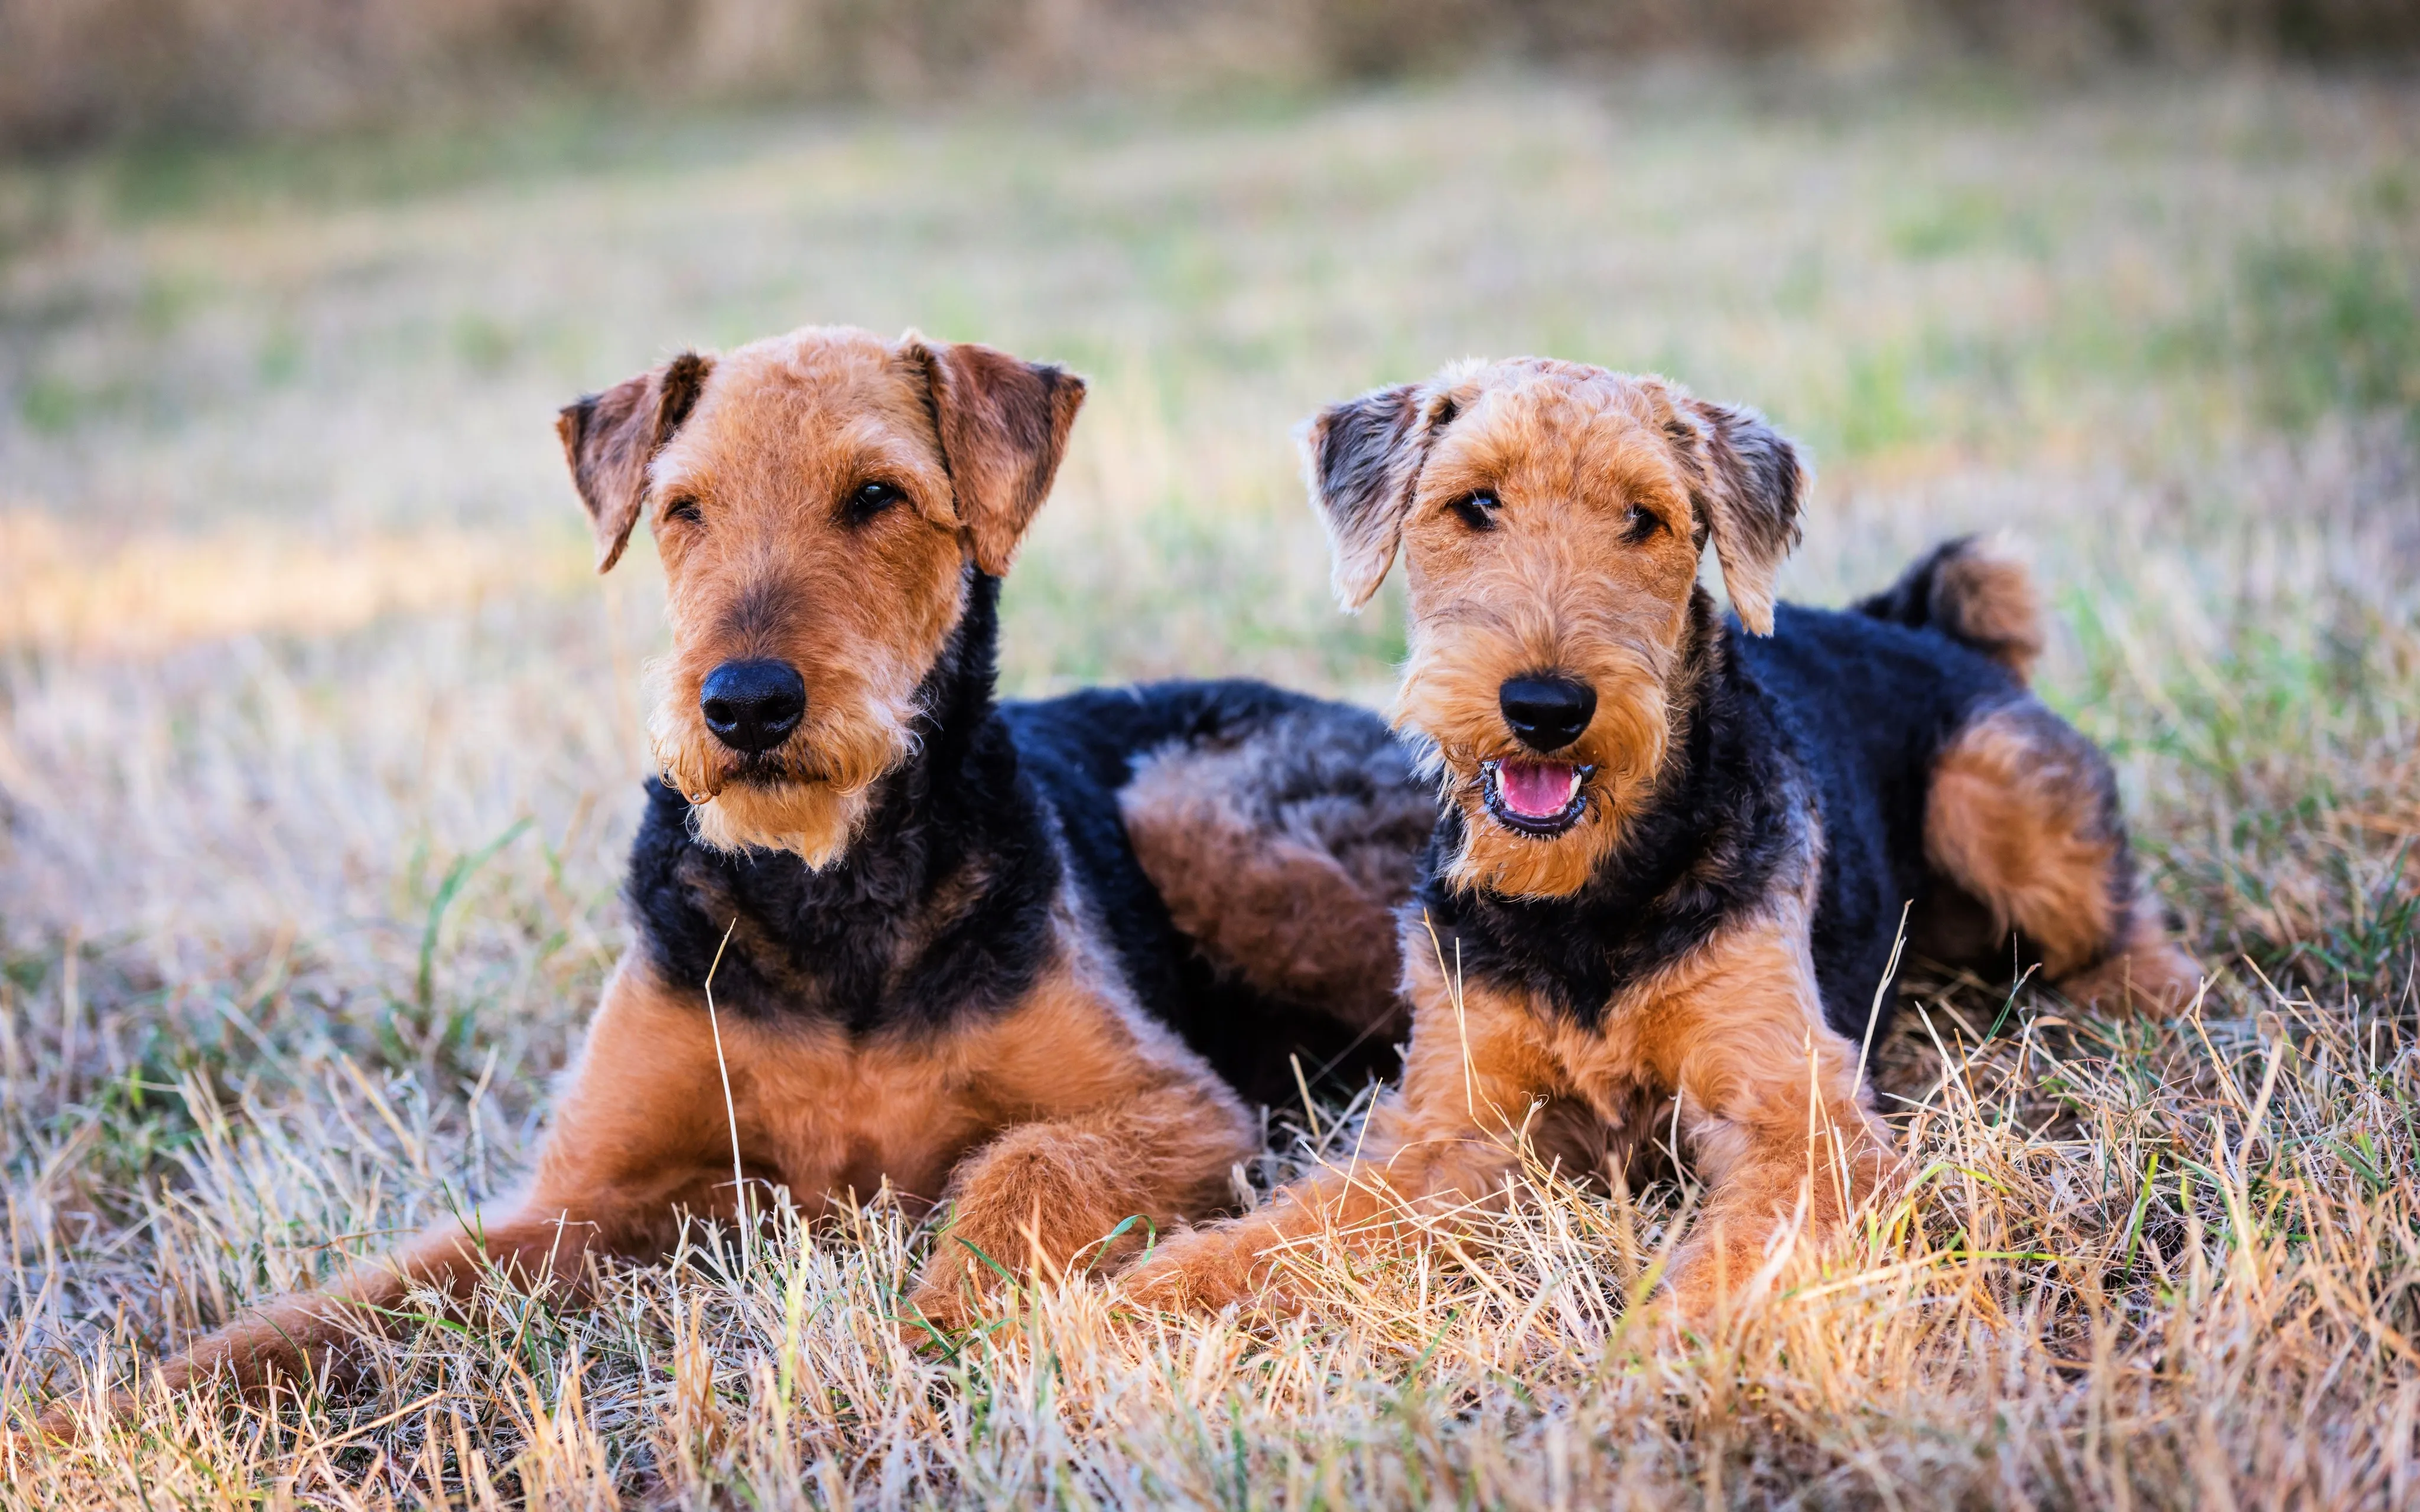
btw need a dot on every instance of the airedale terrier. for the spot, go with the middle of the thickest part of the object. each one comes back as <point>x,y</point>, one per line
<point>1026,958</point>
<point>1674,849</point>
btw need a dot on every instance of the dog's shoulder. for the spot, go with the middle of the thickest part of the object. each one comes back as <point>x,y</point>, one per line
<point>1840,671</point>
<point>1867,707</point>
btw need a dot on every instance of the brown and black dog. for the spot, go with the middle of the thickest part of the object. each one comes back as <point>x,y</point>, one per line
<point>1028,957</point>
<point>1675,849</point>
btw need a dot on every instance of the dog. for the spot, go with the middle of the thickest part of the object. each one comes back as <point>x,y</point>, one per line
<point>1028,959</point>
<point>1674,849</point>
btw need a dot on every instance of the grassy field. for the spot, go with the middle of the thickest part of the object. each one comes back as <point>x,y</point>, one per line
<point>318,748</point>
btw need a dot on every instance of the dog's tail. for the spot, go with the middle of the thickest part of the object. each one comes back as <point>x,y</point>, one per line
<point>1976,592</point>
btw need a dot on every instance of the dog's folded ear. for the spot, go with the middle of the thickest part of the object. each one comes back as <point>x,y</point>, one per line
<point>1754,482</point>
<point>1362,459</point>
<point>1003,424</point>
<point>610,438</point>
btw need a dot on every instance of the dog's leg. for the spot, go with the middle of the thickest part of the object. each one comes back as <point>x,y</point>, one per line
<point>1296,896</point>
<point>1445,1140</point>
<point>304,1336</point>
<point>2022,816</point>
<point>638,1136</point>
<point>1770,1106</point>
<point>1044,1198</point>
<point>1104,1115</point>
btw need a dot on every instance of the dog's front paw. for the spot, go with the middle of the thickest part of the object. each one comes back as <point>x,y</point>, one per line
<point>963,1283</point>
<point>2156,979</point>
<point>1662,1320</point>
<point>949,1300</point>
<point>1208,1269</point>
<point>67,1422</point>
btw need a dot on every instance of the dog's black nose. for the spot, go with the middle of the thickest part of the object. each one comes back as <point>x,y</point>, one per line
<point>753,705</point>
<point>1546,713</point>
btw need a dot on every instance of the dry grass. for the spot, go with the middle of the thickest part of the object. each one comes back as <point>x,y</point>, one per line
<point>317,755</point>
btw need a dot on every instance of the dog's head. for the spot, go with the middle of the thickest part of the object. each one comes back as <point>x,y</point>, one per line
<point>821,502</point>
<point>1551,516</point>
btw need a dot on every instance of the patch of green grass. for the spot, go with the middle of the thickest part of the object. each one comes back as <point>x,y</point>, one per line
<point>51,406</point>
<point>1880,408</point>
<point>172,176</point>
<point>2328,330</point>
<point>1967,221</point>
<point>484,343</point>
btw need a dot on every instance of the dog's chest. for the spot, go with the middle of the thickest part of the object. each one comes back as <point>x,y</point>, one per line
<point>1613,1062</point>
<point>870,948</point>
<point>838,1116</point>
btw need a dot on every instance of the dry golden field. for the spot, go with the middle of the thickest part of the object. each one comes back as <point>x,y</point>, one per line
<point>319,745</point>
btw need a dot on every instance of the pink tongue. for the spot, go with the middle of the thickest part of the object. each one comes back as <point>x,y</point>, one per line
<point>1538,789</point>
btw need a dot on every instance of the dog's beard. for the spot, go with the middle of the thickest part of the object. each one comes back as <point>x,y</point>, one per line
<point>1467,749</point>
<point>810,795</point>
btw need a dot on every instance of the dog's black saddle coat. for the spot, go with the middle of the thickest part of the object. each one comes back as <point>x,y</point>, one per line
<point>1816,741</point>
<point>941,908</point>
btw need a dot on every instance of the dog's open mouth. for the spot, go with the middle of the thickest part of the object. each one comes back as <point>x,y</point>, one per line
<point>1542,799</point>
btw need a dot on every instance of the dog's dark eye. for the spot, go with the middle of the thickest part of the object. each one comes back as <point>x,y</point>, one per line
<point>685,507</point>
<point>1477,510</point>
<point>872,499</point>
<point>1643,522</point>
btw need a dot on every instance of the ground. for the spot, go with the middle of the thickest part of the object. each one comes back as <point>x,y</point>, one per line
<point>318,748</point>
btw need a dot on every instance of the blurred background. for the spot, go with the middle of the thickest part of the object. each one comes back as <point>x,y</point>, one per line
<point>316,729</point>
<point>95,69</point>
